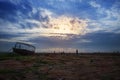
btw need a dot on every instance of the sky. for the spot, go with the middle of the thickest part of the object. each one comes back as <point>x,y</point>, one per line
<point>61,25</point>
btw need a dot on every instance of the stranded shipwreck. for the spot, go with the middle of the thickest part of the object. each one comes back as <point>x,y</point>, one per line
<point>23,48</point>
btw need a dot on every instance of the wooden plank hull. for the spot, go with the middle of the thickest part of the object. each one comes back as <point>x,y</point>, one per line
<point>23,51</point>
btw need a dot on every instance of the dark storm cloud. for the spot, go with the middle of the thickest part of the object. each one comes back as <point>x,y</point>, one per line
<point>104,41</point>
<point>7,10</point>
<point>68,7</point>
<point>6,46</point>
<point>10,11</point>
<point>47,42</point>
<point>7,36</point>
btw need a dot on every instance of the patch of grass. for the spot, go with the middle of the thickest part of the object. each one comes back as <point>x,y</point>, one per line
<point>11,72</point>
<point>39,63</point>
<point>23,58</point>
<point>34,70</point>
<point>6,56</point>
<point>43,77</point>
<point>107,77</point>
<point>6,71</point>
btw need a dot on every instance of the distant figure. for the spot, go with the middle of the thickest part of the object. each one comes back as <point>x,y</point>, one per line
<point>62,53</point>
<point>76,51</point>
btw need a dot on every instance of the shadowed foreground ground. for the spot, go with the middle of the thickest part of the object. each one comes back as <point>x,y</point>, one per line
<point>60,67</point>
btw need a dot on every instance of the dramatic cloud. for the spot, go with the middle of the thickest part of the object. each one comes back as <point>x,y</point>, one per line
<point>63,26</point>
<point>12,11</point>
<point>108,18</point>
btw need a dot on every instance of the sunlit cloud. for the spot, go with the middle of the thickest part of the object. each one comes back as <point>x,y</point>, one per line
<point>83,41</point>
<point>94,4</point>
<point>61,26</point>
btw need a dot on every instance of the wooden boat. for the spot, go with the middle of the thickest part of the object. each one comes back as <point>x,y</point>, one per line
<point>23,48</point>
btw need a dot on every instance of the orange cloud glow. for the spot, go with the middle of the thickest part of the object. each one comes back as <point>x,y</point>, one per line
<point>62,27</point>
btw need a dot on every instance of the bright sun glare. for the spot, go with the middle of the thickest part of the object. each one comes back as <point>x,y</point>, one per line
<point>62,27</point>
<point>65,25</point>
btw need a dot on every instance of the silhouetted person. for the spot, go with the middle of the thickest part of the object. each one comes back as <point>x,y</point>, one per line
<point>76,51</point>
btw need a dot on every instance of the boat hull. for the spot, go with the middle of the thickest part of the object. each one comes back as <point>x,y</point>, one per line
<point>23,51</point>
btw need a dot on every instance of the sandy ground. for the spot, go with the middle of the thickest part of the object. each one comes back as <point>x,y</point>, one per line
<point>60,67</point>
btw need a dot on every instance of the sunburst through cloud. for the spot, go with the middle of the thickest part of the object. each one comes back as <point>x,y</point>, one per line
<point>64,27</point>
